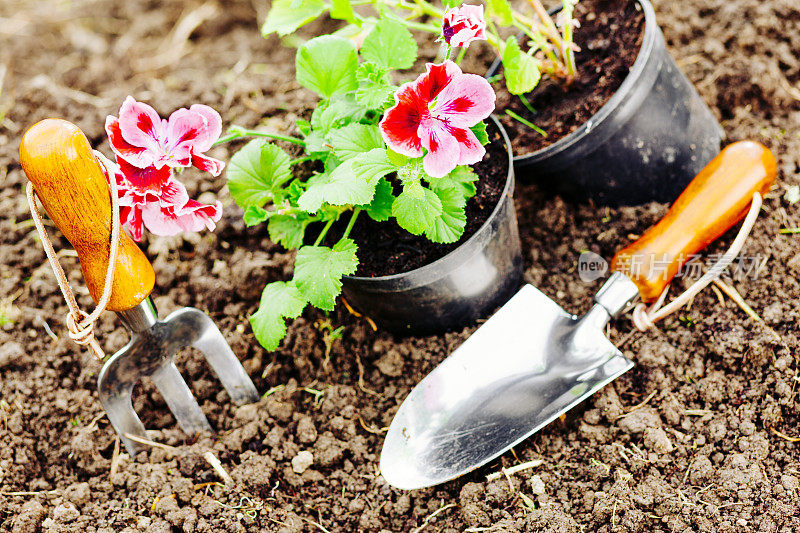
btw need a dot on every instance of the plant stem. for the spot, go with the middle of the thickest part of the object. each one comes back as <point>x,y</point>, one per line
<point>302,160</point>
<point>549,26</point>
<point>528,123</point>
<point>428,9</point>
<point>461,54</point>
<point>352,222</point>
<point>430,28</point>
<point>527,104</point>
<point>324,232</point>
<point>235,132</point>
<point>493,38</point>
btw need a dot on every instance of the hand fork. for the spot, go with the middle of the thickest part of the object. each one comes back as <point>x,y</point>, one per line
<point>57,158</point>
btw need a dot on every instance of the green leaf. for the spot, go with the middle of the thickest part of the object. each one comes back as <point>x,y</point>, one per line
<point>351,183</point>
<point>288,230</point>
<point>279,301</point>
<point>255,215</point>
<point>286,16</point>
<point>500,9</point>
<point>334,114</point>
<point>462,179</point>
<point>327,65</point>
<point>398,159</point>
<point>316,145</point>
<point>417,208</point>
<point>521,70</point>
<point>449,225</point>
<point>375,89</point>
<point>257,172</point>
<point>479,130</point>
<point>355,139</point>
<point>342,10</point>
<point>340,187</point>
<point>380,209</point>
<point>318,271</point>
<point>390,45</point>
<point>373,165</point>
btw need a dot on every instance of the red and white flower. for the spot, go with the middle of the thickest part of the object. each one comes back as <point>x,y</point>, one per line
<point>164,208</point>
<point>142,139</point>
<point>462,25</point>
<point>435,112</point>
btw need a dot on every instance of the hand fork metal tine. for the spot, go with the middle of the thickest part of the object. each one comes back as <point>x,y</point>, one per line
<point>150,352</point>
<point>200,332</point>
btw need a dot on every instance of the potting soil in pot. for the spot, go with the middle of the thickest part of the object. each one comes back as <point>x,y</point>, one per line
<point>609,36</point>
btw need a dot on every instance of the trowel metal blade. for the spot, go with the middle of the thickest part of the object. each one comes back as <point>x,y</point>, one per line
<point>527,365</point>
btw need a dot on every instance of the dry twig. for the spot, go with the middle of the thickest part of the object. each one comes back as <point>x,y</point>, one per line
<point>152,443</point>
<point>514,469</point>
<point>217,466</point>
<point>430,516</point>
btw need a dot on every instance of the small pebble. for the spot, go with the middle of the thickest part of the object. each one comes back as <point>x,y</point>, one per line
<point>656,439</point>
<point>302,461</point>
<point>537,485</point>
<point>65,512</point>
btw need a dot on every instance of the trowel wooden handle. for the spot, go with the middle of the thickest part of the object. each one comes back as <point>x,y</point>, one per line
<point>57,158</point>
<point>716,199</point>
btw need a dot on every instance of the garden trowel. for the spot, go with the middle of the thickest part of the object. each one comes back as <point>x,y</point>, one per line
<point>57,158</point>
<point>532,361</point>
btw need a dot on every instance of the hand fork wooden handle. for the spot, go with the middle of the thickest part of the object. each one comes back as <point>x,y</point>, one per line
<point>58,160</point>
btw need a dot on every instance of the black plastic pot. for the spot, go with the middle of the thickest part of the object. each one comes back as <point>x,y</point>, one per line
<point>646,143</point>
<point>455,290</point>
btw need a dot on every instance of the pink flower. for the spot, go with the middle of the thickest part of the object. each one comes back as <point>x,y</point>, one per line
<point>462,25</point>
<point>142,139</point>
<point>164,208</point>
<point>436,112</point>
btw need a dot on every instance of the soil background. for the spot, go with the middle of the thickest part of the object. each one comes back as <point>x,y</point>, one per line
<point>698,437</point>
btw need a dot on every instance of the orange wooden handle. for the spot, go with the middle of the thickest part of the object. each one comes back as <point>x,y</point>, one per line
<point>716,199</point>
<point>57,158</point>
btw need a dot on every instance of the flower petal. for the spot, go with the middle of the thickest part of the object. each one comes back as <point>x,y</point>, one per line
<point>462,25</point>
<point>133,221</point>
<point>173,194</point>
<point>135,155</point>
<point>150,178</point>
<point>443,150</point>
<point>208,164</point>
<point>140,125</point>
<point>213,127</point>
<point>185,130</point>
<point>465,101</point>
<point>400,123</point>
<point>472,151</point>
<point>430,84</point>
<point>160,220</point>
<point>195,216</point>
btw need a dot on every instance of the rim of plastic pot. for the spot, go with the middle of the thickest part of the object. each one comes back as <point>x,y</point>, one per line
<point>629,84</point>
<point>432,271</point>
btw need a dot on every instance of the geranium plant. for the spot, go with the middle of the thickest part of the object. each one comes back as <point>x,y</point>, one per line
<point>148,151</point>
<point>548,46</point>
<point>383,152</point>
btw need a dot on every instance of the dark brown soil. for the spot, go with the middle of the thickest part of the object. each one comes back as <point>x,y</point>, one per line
<point>710,409</point>
<point>610,36</point>
<point>385,248</point>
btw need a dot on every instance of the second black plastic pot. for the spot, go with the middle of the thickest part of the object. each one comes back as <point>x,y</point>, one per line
<point>646,143</point>
<point>457,289</point>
